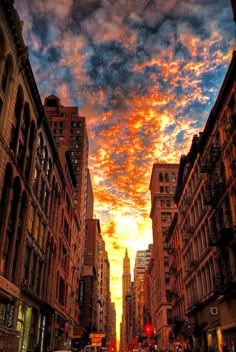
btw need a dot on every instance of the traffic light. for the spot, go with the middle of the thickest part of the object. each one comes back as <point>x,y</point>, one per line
<point>148,328</point>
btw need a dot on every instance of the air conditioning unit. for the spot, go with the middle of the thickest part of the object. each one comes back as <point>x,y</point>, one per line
<point>214,311</point>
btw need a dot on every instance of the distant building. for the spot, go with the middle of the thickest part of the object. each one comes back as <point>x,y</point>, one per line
<point>142,260</point>
<point>126,287</point>
<point>162,187</point>
<point>103,268</point>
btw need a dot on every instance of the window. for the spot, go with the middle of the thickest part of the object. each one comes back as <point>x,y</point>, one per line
<point>27,262</point>
<point>165,245</point>
<point>163,203</point>
<point>161,189</point>
<point>167,278</point>
<point>161,178</point>
<point>166,177</point>
<point>61,291</point>
<point>167,189</point>
<point>5,75</point>
<point>169,316</point>
<point>36,226</point>
<point>165,217</point>
<point>173,189</point>
<point>165,231</point>
<point>166,261</point>
<point>36,180</point>
<point>1,104</point>
<point>63,258</point>
<point>173,177</point>
<point>51,103</point>
<point>168,203</point>
<point>66,229</point>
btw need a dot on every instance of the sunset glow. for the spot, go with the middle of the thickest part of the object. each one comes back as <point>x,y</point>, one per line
<point>145,74</point>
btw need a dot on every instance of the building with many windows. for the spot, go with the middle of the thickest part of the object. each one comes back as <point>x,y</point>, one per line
<point>70,134</point>
<point>142,260</point>
<point>40,244</point>
<point>206,226</point>
<point>162,187</point>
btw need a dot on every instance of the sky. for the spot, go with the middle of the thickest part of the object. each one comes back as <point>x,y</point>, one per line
<point>145,74</point>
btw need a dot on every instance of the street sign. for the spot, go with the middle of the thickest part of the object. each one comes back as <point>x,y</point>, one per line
<point>96,338</point>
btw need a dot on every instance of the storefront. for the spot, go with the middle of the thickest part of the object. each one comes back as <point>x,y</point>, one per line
<point>34,326</point>
<point>9,337</point>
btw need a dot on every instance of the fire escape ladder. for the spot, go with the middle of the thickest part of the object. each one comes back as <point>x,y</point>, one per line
<point>219,272</point>
<point>208,164</point>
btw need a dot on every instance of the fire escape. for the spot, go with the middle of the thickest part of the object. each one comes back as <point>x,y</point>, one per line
<point>224,279</point>
<point>220,233</point>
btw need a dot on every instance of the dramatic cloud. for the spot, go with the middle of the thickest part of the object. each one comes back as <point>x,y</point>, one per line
<point>145,74</point>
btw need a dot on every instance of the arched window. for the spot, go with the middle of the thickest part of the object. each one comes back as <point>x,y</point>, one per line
<point>173,177</point>
<point>16,122</point>
<point>161,178</point>
<point>49,169</point>
<point>46,160</point>
<point>5,74</point>
<point>11,225</point>
<point>19,238</point>
<point>19,103</point>
<point>5,196</point>
<point>30,150</point>
<point>166,177</point>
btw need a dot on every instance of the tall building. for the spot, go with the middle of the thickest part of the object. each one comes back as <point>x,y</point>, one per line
<point>70,134</point>
<point>89,275</point>
<point>126,286</point>
<point>90,198</point>
<point>126,276</point>
<point>38,225</point>
<point>206,199</point>
<point>162,188</point>
<point>112,328</point>
<point>103,269</point>
<point>142,261</point>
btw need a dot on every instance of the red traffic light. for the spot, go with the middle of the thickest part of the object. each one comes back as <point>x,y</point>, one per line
<point>148,328</point>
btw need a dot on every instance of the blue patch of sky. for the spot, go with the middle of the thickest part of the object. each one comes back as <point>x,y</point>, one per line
<point>212,79</point>
<point>180,137</point>
<point>40,27</point>
<point>101,127</point>
<point>181,51</point>
<point>170,128</point>
<point>53,54</point>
